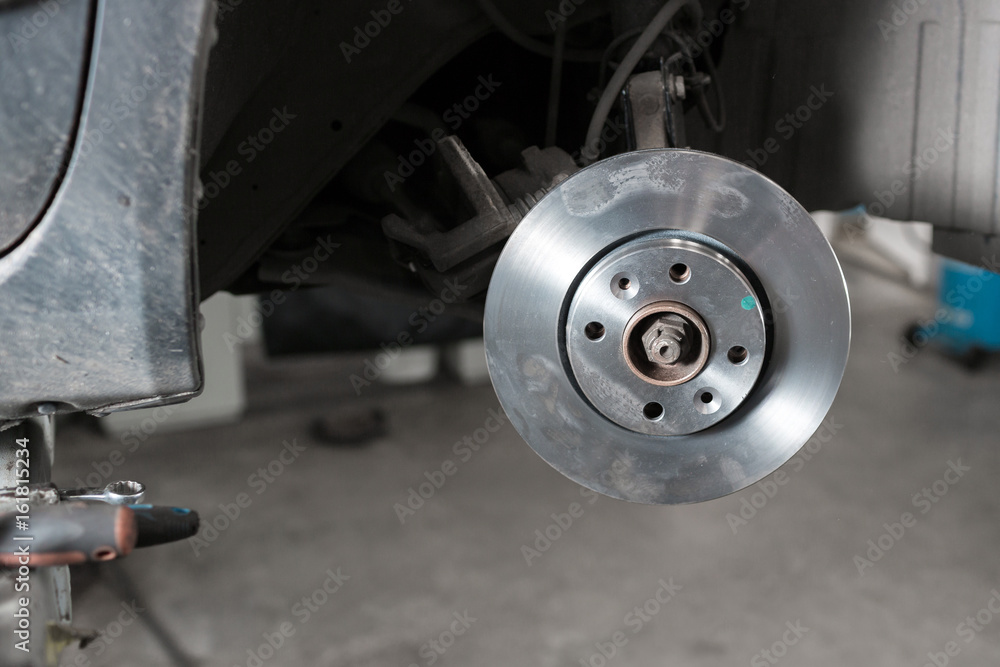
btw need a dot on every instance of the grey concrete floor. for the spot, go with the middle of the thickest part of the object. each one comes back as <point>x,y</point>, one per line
<point>793,561</point>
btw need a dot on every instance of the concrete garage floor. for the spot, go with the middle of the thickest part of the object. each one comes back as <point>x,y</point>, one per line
<point>402,585</point>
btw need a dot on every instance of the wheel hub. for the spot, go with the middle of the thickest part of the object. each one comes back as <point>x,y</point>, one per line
<point>667,337</point>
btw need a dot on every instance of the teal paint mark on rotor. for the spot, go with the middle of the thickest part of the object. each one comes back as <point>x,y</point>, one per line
<point>748,303</point>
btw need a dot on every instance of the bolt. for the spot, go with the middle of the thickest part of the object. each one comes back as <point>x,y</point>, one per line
<point>667,340</point>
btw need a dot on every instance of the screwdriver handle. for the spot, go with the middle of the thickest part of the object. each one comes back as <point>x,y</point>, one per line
<point>66,534</point>
<point>158,524</point>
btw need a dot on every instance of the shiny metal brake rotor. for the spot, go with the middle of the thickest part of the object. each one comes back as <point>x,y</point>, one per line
<point>667,326</point>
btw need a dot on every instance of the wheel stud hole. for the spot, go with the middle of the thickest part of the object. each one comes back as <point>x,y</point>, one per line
<point>624,286</point>
<point>652,411</point>
<point>594,331</point>
<point>738,355</point>
<point>680,273</point>
<point>707,401</point>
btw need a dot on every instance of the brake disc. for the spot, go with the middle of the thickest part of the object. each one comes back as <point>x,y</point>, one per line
<point>667,326</point>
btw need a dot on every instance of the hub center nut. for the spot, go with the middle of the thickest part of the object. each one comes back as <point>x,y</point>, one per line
<point>666,343</point>
<point>667,339</point>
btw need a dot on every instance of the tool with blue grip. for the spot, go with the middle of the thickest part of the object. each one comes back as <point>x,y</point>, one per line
<point>90,524</point>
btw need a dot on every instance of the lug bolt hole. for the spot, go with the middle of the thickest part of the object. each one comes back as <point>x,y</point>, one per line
<point>594,331</point>
<point>624,286</point>
<point>738,355</point>
<point>652,411</point>
<point>680,273</point>
<point>707,401</point>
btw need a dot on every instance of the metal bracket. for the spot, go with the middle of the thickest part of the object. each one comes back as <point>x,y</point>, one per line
<point>467,252</point>
<point>654,110</point>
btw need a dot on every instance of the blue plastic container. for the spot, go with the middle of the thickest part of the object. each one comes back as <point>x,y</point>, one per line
<point>970,297</point>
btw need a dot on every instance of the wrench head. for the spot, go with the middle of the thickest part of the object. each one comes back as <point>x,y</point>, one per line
<point>125,492</point>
